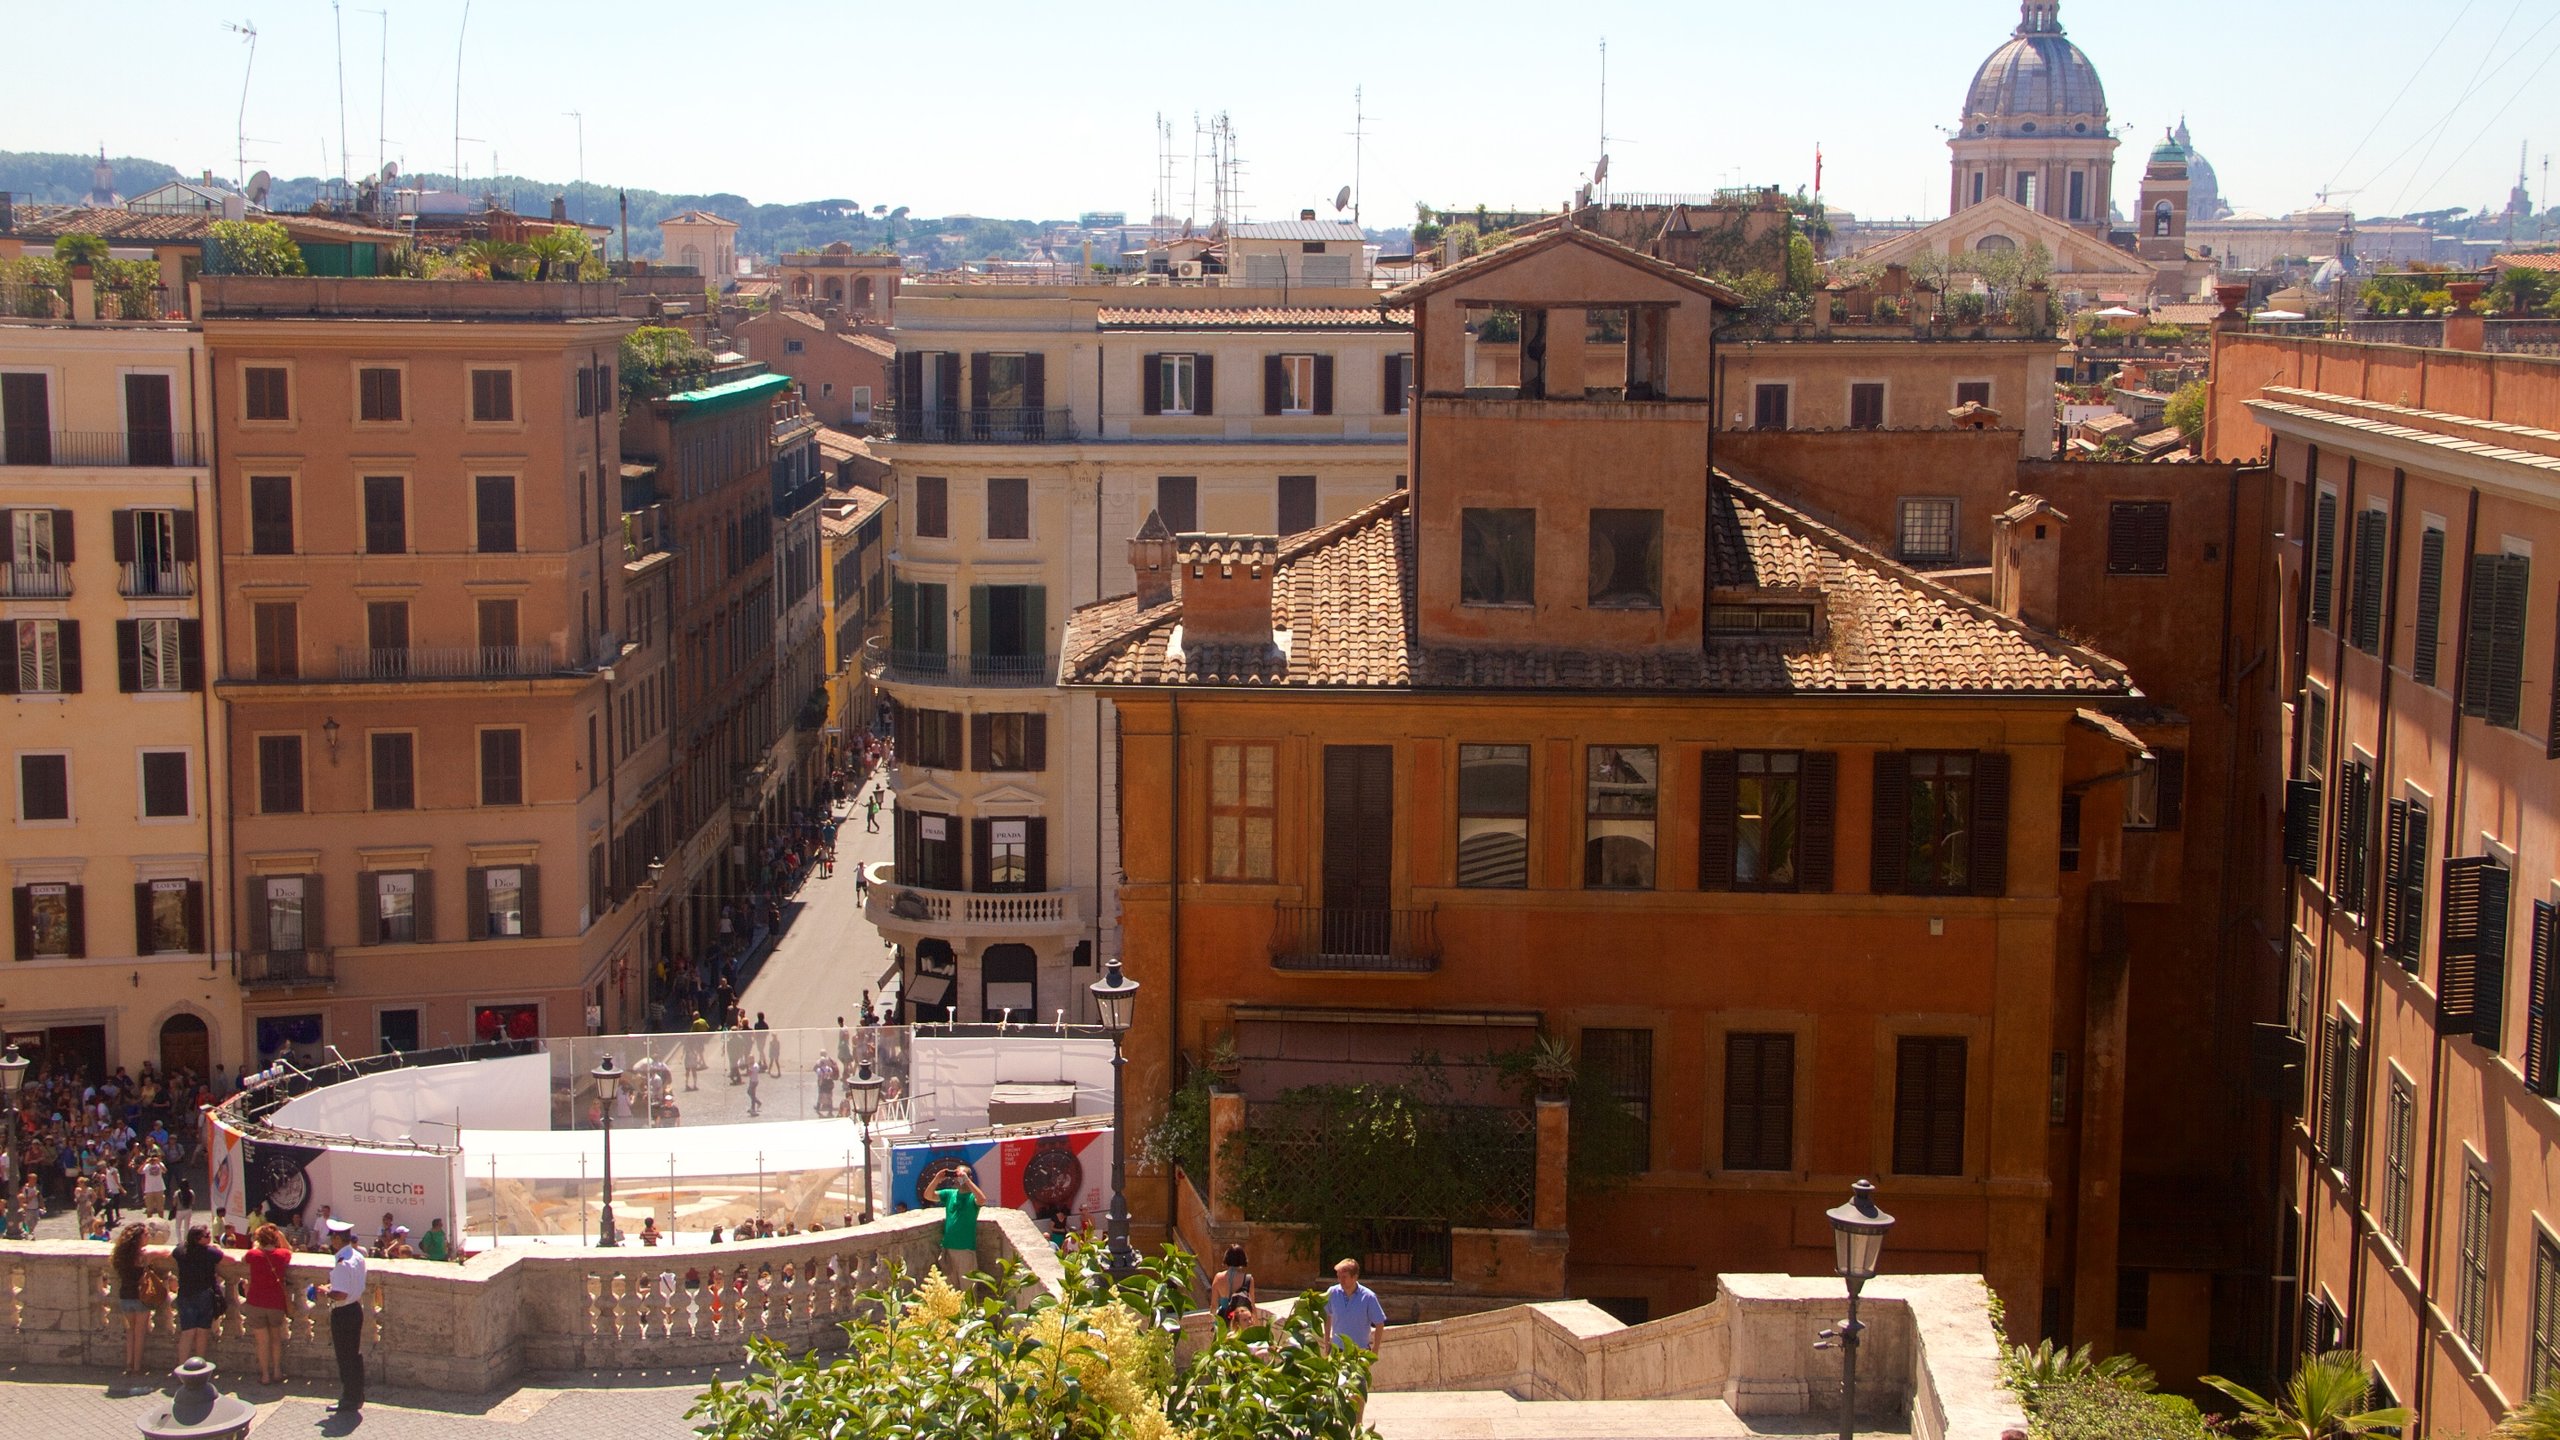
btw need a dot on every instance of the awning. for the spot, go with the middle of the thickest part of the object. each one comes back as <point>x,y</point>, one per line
<point>930,990</point>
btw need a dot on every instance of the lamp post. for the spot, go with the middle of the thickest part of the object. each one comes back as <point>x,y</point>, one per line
<point>862,1092</point>
<point>1857,1237</point>
<point>13,1074</point>
<point>607,1080</point>
<point>1115,1001</point>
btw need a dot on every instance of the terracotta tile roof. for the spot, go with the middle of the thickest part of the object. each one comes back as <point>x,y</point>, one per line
<point>699,217</point>
<point>137,226</point>
<point>872,344</point>
<point>1499,256</point>
<point>1256,317</point>
<point>844,510</point>
<point>1344,597</point>
<point>837,445</point>
<point>2539,260</point>
<point>2182,313</point>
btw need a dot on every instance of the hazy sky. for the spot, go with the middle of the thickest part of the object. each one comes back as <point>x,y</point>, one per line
<point>997,109</point>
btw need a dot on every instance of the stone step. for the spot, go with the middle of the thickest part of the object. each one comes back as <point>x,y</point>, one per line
<point>1493,1415</point>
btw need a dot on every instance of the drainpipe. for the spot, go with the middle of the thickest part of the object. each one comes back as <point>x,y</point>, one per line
<point>210,544</point>
<point>204,702</point>
<point>2374,959</point>
<point>1173,949</point>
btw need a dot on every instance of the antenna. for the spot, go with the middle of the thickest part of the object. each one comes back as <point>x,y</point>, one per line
<point>1359,123</point>
<point>338,23</point>
<point>381,90</point>
<point>459,32</point>
<point>581,117</point>
<point>1600,171</point>
<point>246,30</point>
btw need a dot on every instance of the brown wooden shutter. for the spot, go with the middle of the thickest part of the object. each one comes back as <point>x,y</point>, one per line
<point>2395,859</point>
<point>1929,1105</point>
<point>254,899</point>
<point>1275,386</point>
<point>533,899</point>
<point>1324,384</point>
<point>1035,742</point>
<point>128,656</point>
<point>1889,838</point>
<point>120,530</point>
<point>1035,381</point>
<point>475,891</point>
<point>142,918</point>
<point>1717,782</point>
<point>946,365</point>
<point>1204,384</point>
<point>1989,865</point>
<point>1035,843</point>
<point>2540,1072</point>
<point>2302,801</point>
<point>982,854</point>
<point>1910,1107</point>
<point>1817,822</point>
<point>1391,390</point>
<point>191,654</point>
<point>2422,656</point>
<point>1759,1101</point>
<point>369,896</point>
<point>183,534</point>
<point>22,922</point>
<point>62,547</point>
<point>195,916</point>
<point>2324,555</point>
<point>2475,903</point>
<point>76,899</point>
<point>9,656</point>
<point>981,740</point>
<point>315,915</point>
<point>2172,813</point>
<point>2366,584</point>
<point>980,381</point>
<point>1151,384</point>
<point>2411,881</point>
<point>911,387</point>
<point>70,637</point>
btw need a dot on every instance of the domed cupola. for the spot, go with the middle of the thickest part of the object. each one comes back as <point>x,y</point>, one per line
<point>2034,126</point>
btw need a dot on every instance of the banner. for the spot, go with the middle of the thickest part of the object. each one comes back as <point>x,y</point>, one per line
<point>1066,1174</point>
<point>288,1184</point>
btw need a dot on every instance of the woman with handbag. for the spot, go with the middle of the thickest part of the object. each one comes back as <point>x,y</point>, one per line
<point>270,1260</point>
<point>138,1291</point>
<point>200,1297</point>
<point>1231,1291</point>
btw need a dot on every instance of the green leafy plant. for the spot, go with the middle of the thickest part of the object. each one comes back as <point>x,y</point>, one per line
<point>658,359</point>
<point>564,255</point>
<point>1967,307</point>
<point>2047,1364</point>
<point>2325,1400</point>
<point>1180,1135</point>
<point>80,249</point>
<point>2185,411</point>
<point>2535,1419</point>
<point>1337,1158</point>
<point>251,247</point>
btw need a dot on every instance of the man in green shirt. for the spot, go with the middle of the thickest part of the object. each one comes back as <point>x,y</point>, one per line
<point>960,1197</point>
<point>432,1244</point>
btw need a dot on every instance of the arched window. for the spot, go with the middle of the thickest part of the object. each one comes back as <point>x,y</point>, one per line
<point>1993,244</point>
<point>835,288</point>
<point>2161,215</point>
<point>862,293</point>
<point>692,256</point>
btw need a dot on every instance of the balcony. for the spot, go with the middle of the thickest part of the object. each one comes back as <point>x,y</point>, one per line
<point>35,580</point>
<point>1368,939</point>
<point>140,581</point>
<point>947,913</point>
<point>992,425</point>
<point>446,662</point>
<point>101,449</point>
<point>938,667</point>
<point>278,969</point>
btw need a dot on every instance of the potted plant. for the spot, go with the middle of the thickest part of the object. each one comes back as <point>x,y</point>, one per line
<point>1553,1066</point>
<point>1223,1063</point>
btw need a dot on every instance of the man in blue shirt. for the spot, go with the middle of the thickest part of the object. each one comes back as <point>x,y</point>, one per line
<point>1352,1315</point>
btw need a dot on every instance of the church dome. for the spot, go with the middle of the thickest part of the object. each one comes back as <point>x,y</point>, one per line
<point>2204,188</point>
<point>2037,74</point>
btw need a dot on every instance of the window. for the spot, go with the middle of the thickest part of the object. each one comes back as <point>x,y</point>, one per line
<point>2161,214</point>
<point>1866,405</point>
<point>279,774</point>
<point>386,634</point>
<point>1498,559</point>
<point>793,347</point>
<point>1940,840</point>
<point>155,654</point>
<point>1010,741</point>
<point>1769,406</point>
<point>270,394</point>
<point>48,658</point>
<point>386,515</point>
<point>933,507</point>
<point>1243,810</point>
<point>2364,586</point>
<point>1008,508</point>
<point>1008,630</point>
<point>1177,378</point>
<point>1178,502</point>
<point>503,891</point>
<point>928,851</point>
<point>2493,639</point>
<point>1622,1062</point>
<point>2471,951</point>
<point>1618,817</point>
<point>2079,197</point>
<point>493,397</point>
<point>2541,1065</point>
<point>44,787</point>
<point>2342,1096</point>
<point>2399,1152</point>
<point>1764,819</point>
<point>1760,1100</point>
<point>50,922</point>
<point>1974,392</point>
<point>2471,1285</point>
<point>1493,816</point>
<point>1297,504</point>
<point>378,393</point>
<point>2324,553</point>
<point>1292,385</point>
<point>166,795</point>
<point>497,628</point>
<point>2301,991</point>
<point>35,547</point>
<point>1397,384</point>
<point>398,1029</point>
<point>1977,187</point>
<point>395,770</point>
<point>2138,537</point>
<point>270,514</point>
<point>1928,1105</point>
<point>2404,879</point>
<point>861,402</point>
<point>2427,639</point>
<point>2542,1356</point>
<point>1626,559</point>
<point>1928,528</point>
<point>2028,184</point>
<point>1005,855</point>
<point>395,908</point>
<point>930,738</point>
<point>26,419</point>
<point>502,767</point>
<point>284,911</point>
<point>494,513</point>
<point>168,917</point>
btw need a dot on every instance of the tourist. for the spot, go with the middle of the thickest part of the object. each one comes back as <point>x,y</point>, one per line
<point>871,814</point>
<point>715,1234</point>
<point>650,1234</point>
<point>1231,1290</point>
<point>398,1246</point>
<point>269,1263</point>
<point>755,1073</point>
<point>346,1319</point>
<point>111,1191</point>
<point>155,1183</point>
<point>1352,1314</point>
<point>200,1297</point>
<point>182,1206</point>
<point>126,1261</point>
<point>826,1068</point>
<point>960,1197</point>
<point>226,1234</point>
<point>84,1205</point>
<point>316,1235</point>
<point>383,1237</point>
<point>435,1244</point>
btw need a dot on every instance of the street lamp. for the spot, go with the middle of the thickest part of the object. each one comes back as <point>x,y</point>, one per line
<point>608,1081</point>
<point>1857,1236</point>
<point>862,1092</point>
<point>1115,1001</point>
<point>13,1074</point>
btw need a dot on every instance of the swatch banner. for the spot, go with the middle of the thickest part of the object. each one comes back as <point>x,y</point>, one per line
<point>266,1179</point>
<point>1044,1175</point>
<point>287,1184</point>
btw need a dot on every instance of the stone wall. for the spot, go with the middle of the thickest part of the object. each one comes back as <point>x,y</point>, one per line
<point>476,1327</point>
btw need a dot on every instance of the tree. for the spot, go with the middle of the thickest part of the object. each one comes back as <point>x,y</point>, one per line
<point>657,359</point>
<point>565,255</point>
<point>2535,1419</point>
<point>2324,1401</point>
<point>251,247</point>
<point>2185,411</point>
<point>79,249</point>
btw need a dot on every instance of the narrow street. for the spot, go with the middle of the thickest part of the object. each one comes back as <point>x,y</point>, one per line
<point>829,954</point>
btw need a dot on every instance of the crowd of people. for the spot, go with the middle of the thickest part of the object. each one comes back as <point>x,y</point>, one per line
<point>100,1145</point>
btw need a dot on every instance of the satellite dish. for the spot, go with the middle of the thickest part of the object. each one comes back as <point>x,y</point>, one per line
<point>1342,200</point>
<point>390,171</point>
<point>259,184</point>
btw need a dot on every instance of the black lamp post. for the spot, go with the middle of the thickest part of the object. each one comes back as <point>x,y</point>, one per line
<point>608,1082</point>
<point>1857,1236</point>
<point>13,1074</point>
<point>1115,1002</point>
<point>862,1093</point>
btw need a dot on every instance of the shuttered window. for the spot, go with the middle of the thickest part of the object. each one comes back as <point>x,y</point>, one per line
<point>2542,1356</point>
<point>2138,537</point>
<point>1296,507</point>
<point>1008,508</point>
<point>270,514</point>
<point>269,393</point>
<point>279,774</point>
<point>933,507</point>
<point>2427,638</point>
<point>2493,639</point>
<point>2471,1283</point>
<point>395,770</point>
<point>493,396</point>
<point>378,393</point>
<point>2302,827</point>
<point>1759,1100</point>
<point>2364,586</point>
<point>1397,385</point>
<point>1941,824</point>
<point>1765,819</point>
<point>502,767</point>
<point>1178,502</point>
<point>1866,406</point>
<point>1928,1105</point>
<point>2342,1093</point>
<point>2355,812</point>
<point>1011,740</point>
<point>2405,827</point>
<point>2324,554</point>
<point>2471,952</point>
<point>927,850</point>
<point>930,738</point>
<point>1622,1062</point>
<point>2399,1158</point>
<point>2541,1063</point>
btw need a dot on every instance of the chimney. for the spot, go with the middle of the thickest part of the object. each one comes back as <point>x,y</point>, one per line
<point>2026,560</point>
<point>1306,214</point>
<point>235,206</point>
<point>560,209</point>
<point>1151,556</point>
<point>835,320</point>
<point>1226,589</point>
<point>2464,329</point>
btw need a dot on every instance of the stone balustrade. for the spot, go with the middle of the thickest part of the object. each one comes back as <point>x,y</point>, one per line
<point>475,1327</point>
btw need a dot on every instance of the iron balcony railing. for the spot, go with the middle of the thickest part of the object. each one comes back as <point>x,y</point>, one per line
<point>118,449</point>
<point>942,667</point>
<point>35,580</point>
<point>447,662</point>
<point>288,967</point>
<point>988,425</point>
<point>139,579</point>
<point>1372,938</point>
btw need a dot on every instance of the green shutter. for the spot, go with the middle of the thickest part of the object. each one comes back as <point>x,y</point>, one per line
<point>978,622</point>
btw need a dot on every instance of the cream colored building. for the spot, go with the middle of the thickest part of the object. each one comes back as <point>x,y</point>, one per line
<point>707,242</point>
<point>1036,429</point>
<point>112,840</point>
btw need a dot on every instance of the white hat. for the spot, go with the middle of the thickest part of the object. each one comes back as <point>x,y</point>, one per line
<point>341,1227</point>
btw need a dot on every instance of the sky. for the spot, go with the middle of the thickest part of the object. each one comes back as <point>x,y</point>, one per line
<point>1008,110</point>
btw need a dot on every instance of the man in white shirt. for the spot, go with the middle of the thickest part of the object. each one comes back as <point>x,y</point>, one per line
<point>346,1318</point>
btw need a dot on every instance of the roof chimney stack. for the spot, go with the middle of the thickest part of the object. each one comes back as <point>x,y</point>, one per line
<point>1226,589</point>
<point>560,209</point>
<point>2026,560</point>
<point>1151,556</point>
<point>1306,214</point>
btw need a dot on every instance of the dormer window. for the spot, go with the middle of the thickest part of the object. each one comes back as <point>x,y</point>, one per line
<point>1790,620</point>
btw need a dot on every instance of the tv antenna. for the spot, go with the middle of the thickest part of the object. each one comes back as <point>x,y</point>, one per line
<point>1359,131</point>
<point>581,117</point>
<point>248,31</point>
<point>1600,171</point>
<point>338,23</point>
<point>459,32</point>
<point>381,92</point>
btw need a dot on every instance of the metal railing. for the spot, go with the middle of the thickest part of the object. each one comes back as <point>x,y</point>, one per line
<point>35,580</point>
<point>942,667</point>
<point>138,579</point>
<point>447,662</point>
<point>104,448</point>
<point>1371,938</point>
<point>990,425</point>
<point>288,967</point>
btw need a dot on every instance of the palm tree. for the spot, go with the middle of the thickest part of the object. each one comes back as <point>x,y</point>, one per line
<point>561,254</point>
<point>2535,1419</point>
<point>2325,1401</point>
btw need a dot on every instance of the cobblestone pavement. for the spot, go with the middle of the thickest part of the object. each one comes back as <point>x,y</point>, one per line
<point>645,1405</point>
